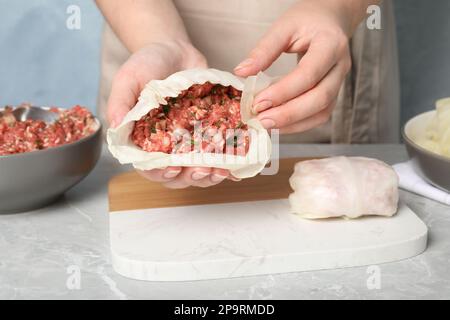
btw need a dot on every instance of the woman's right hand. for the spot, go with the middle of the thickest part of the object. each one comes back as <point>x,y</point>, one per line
<point>155,62</point>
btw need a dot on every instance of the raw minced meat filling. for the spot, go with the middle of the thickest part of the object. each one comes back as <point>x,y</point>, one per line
<point>204,118</point>
<point>31,135</point>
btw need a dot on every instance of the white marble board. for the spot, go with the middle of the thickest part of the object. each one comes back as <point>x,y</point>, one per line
<point>253,238</point>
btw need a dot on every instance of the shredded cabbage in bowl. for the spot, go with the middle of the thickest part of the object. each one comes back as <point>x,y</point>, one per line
<point>437,137</point>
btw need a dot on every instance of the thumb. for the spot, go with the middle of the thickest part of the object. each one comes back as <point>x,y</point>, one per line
<point>268,49</point>
<point>123,97</point>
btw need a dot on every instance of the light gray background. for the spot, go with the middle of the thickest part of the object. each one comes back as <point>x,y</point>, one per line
<point>43,62</point>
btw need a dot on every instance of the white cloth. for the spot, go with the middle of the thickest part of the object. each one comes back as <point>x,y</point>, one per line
<point>411,181</point>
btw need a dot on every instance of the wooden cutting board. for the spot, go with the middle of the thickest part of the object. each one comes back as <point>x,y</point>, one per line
<point>241,229</point>
<point>129,191</point>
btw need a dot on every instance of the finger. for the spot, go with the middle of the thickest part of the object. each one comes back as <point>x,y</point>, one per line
<point>219,175</point>
<point>189,177</point>
<point>206,183</point>
<point>161,175</point>
<point>233,178</point>
<point>124,94</point>
<point>305,105</point>
<point>320,58</point>
<point>268,49</point>
<point>309,123</point>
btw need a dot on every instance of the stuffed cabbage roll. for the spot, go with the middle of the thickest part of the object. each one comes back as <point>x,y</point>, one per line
<point>343,187</point>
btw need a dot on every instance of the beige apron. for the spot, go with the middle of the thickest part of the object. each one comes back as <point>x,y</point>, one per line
<point>368,104</point>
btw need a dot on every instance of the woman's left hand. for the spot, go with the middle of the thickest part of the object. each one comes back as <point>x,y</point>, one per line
<point>319,31</point>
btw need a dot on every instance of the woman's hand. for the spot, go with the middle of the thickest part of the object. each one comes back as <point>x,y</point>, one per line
<point>155,61</point>
<point>158,61</point>
<point>319,31</point>
<point>154,31</point>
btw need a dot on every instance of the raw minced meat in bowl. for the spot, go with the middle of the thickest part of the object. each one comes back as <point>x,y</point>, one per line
<point>44,151</point>
<point>29,129</point>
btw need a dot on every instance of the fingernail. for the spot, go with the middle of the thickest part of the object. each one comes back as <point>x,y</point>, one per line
<point>244,64</point>
<point>217,178</point>
<point>171,174</point>
<point>268,123</point>
<point>196,176</point>
<point>234,179</point>
<point>261,106</point>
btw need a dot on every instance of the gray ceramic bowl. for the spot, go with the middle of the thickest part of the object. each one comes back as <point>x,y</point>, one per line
<point>433,167</point>
<point>32,180</point>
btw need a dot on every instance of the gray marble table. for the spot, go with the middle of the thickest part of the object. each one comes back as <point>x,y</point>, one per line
<point>62,252</point>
